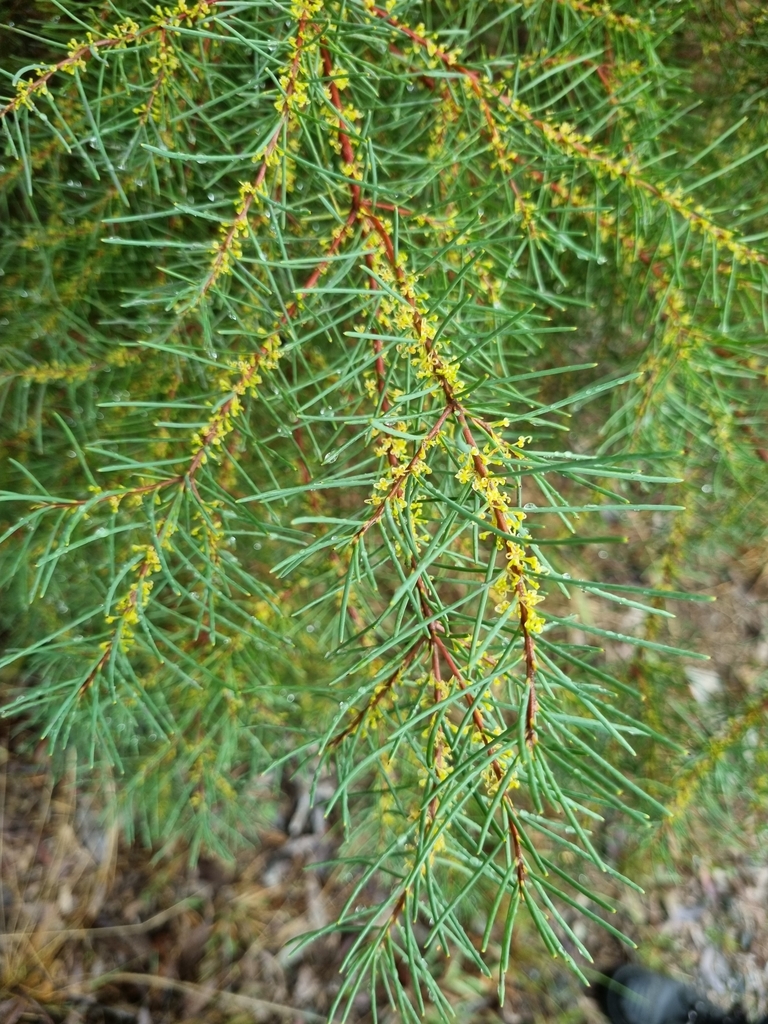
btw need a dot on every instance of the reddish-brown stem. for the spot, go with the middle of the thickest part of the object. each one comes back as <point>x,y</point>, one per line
<point>519,862</point>
<point>356,203</point>
<point>88,682</point>
<point>397,486</point>
<point>386,241</point>
<point>82,52</point>
<point>378,348</point>
<point>434,804</point>
<point>452,405</point>
<point>322,266</point>
<point>498,771</point>
<point>158,84</point>
<point>503,524</point>
<point>133,600</point>
<point>347,152</point>
<point>477,717</point>
<point>359,207</point>
<point>242,216</point>
<point>442,55</point>
<point>547,131</point>
<point>379,695</point>
<point>314,503</point>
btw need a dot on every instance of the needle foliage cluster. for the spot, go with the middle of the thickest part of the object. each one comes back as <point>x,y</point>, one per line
<point>338,340</point>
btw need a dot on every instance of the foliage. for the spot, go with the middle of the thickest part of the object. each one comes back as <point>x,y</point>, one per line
<point>314,313</point>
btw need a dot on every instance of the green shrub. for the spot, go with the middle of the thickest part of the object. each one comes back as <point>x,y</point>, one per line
<point>334,336</point>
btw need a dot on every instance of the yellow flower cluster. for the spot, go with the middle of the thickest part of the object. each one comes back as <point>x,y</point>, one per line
<point>220,425</point>
<point>476,468</point>
<point>493,284</point>
<point>76,51</point>
<point>294,89</point>
<point>574,144</point>
<point>445,114</point>
<point>202,770</point>
<point>390,486</point>
<point>56,372</point>
<point>247,370</point>
<point>124,32</point>
<point>514,584</point>
<point>527,212</point>
<point>295,93</point>
<point>331,117</point>
<point>172,17</point>
<point>228,249</point>
<point>495,772</point>
<point>211,528</point>
<point>505,159</point>
<point>568,140</point>
<point>734,731</point>
<point>164,61</point>
<point>121,33</point>
<point>621,22</point>
<point>383,697</point>
<point>701,220</point>
<point>390,444</point>
<point>342,121</point>
<point>441,752</point>
<point>222,421</point>
<point>488,486</point>
<point>370,384</point>
<point>26,88</point>
<point>117,38</point>
<point>480,737</point>
<point>136,598</point>
<point>429,42</point>
<point>426,355</point>
<point>305,9</point>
